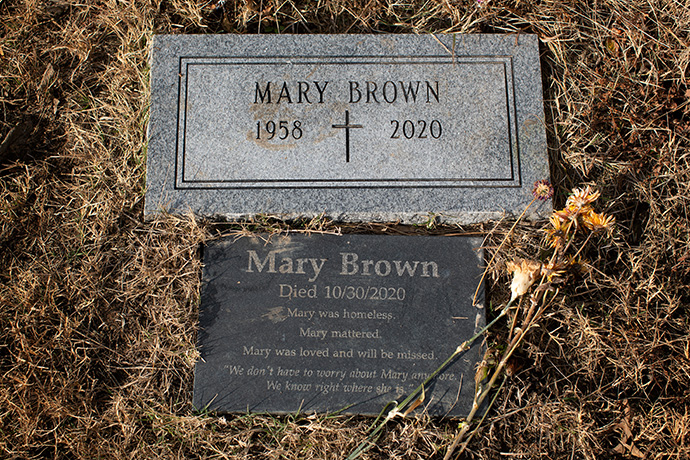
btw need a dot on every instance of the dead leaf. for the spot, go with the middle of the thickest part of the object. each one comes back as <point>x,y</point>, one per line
<point>612,45</point>
<point>46,80</point>
<point>626,446</point>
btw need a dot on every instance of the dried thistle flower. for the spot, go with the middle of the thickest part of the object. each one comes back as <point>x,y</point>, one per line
<point>582,198</point>
<point>524,274</point>
<point>542,190</point>
<point>578,211</point>
<point>567,214</point>
<point>596,222</point>
<point>558,232</point>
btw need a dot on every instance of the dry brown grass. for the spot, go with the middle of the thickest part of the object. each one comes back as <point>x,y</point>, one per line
<point>98,307</point>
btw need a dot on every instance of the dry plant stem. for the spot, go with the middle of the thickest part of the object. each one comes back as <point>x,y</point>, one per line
<point>567,246</point>
<point>530,312</point>
<point>505,238</point>
<point>369,442</point>
<point>476,428</point>
<point>512,324</point>
<point>530,321</point>
<point>480,397</point>
<point>583,245</point>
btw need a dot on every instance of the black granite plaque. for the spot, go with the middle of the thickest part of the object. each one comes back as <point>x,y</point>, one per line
<point>322,322</point>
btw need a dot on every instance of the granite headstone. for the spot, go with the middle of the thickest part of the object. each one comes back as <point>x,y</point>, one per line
<point>322,323</point>
<point>357,127</point>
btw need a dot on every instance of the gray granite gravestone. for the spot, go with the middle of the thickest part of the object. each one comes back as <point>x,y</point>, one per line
<point>358,127</point>
<point>322,322</point>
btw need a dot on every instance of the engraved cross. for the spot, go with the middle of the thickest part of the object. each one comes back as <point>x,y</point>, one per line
<point>347,127</point>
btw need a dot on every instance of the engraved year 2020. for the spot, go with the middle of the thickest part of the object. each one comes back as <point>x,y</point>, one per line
<point>282,129</point>
<point>408,129</point>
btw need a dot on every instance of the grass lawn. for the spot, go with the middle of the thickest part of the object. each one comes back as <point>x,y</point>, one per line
<point>98,307</point>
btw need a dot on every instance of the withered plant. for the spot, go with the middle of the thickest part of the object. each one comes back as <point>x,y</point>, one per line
<point>569,231</point>
<point>98,307</point>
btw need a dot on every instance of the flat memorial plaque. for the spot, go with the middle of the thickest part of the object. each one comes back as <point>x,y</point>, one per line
<point>358,127</point>
<point>320,323</point>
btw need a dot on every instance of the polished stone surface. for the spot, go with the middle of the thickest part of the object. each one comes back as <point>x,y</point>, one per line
<point>320,323</point>
<point>358,127</point>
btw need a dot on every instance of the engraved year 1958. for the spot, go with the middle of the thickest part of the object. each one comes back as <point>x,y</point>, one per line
<point>282,129</point>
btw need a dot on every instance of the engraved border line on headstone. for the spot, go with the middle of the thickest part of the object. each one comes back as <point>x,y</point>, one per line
<point>514,181</point>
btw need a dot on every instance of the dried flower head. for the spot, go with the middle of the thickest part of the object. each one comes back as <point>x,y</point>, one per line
<point>558,233</point>
<point>596,222</point>
<point>566,214</point>
<point>524,274</point>
<point>542,190</point>
<point>581,198</point>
